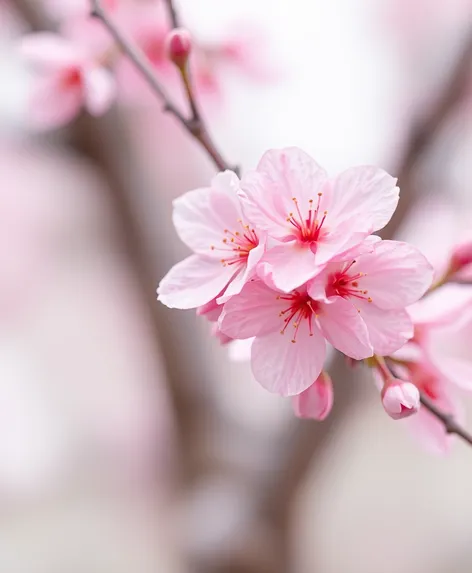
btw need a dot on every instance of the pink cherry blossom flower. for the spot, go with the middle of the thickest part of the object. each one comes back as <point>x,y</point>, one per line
<point>400,398</point>
<point>227,248</point>
<point>291,330</point>
<point>69,79</point>
<point>314,218</point>
<point>425,427</point>
<point>315,402</point>
<point>379,282</point>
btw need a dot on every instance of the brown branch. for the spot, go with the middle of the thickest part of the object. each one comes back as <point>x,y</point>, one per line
<point>422,134</point>
<point>193,125</point>
<point>174,16</point>
<point>449,422</point>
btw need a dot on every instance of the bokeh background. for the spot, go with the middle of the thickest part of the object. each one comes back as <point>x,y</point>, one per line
<point>129,441</point>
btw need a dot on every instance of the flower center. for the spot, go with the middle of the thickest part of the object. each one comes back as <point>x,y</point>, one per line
<point>345,284</point>
<point>237,245</point>
<point>72,78</point>
<point>308,229</point>
<point>300,307</point>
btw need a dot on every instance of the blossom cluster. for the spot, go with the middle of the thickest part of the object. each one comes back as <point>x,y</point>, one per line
<point>286,259</point>
<point>80,67</point>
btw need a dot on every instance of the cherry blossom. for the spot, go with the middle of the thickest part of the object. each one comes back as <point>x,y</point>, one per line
<point>317,400</point>
<point>380,282</point>
<point>314,219</point>
<point>227,247</point>
<point>291,330</point>
<point>68,79</point>
<point>400,398</point>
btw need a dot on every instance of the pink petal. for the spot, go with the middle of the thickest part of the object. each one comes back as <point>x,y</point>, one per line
<point>287,266</point>
<point>344,328</point>
<point>202,216</point>
<point>442,306</point>
<point>268,193</point>
<point>285,368</point>
<point>428,430</point>
<point>397,274</point>
<point>315,402</point>
<point>367,196</point>
<point>388,330</point>
<point>193,282</point>
<point>52,104</point>
<point>99,90</point>
<point>50,51</point>
<point>367,246</point>
<point>246,273</point>
<point>254,312</point>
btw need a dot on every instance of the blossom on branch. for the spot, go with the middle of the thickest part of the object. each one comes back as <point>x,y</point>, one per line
<point>68,78</point>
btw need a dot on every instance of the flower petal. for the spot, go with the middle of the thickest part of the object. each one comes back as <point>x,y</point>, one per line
<point>50,51</point>
<point>396,274</point>
<point>315,402</point>
<point>53,105</point>
<point>287,266</point>
<point>388,330</point>
<point>254,312</point>
<point>267,193</point>
<point>344,328</point>
<point>99,90</point>
<point>367,196</point>
<point>202,216</point>
<point>193,282</point>
<point>285,368</point>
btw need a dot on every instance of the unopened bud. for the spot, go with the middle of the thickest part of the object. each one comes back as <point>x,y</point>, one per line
<point>400,399</point>
<point>179,46</point>
<point>461,256</point>
<point>315,402</point>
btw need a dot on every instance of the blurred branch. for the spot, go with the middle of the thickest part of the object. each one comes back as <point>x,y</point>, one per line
<point>449,422</point>
<point>193,125</point>
<point>174,16</point>
<point>423,134</point>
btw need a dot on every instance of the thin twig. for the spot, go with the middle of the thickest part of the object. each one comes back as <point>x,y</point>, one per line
<point>174,16</point>
<point>193,125</point>
<point>449,422</point>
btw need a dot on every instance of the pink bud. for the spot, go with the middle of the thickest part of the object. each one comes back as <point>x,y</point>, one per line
<point>461,256</point>
<point>179,46</point>
<point>400,399</point>
<point>315,402</point>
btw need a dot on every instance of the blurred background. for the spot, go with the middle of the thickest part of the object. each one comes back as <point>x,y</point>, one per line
<point>129,442</point>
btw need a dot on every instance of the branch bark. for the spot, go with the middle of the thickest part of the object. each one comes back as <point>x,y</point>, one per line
<point>194,125</point>
<point>449,422</point>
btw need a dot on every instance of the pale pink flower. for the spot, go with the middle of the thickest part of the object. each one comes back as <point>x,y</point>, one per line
<point>227,247</point>
<point>447,345</point>
<point>400,398</point>
<point>69,79</point>
<point>314,218</point>
<point>317,400</point>
<point>290,333</point>
<point>425,427</point>
<point>379,284</point>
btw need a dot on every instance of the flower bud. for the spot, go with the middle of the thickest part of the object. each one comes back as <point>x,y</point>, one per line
<point>315,402</point>
<point>461,256</point>
<point>400,399</point>
<point>179,46</point>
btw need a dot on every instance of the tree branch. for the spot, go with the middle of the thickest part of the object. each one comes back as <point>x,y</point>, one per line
<point>193,125</point>
<point>449,422</point>
<point>174,16</point>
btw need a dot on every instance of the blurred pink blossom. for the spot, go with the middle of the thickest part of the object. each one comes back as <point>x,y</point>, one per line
<point>314,218</point>
<point>68,79</point>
